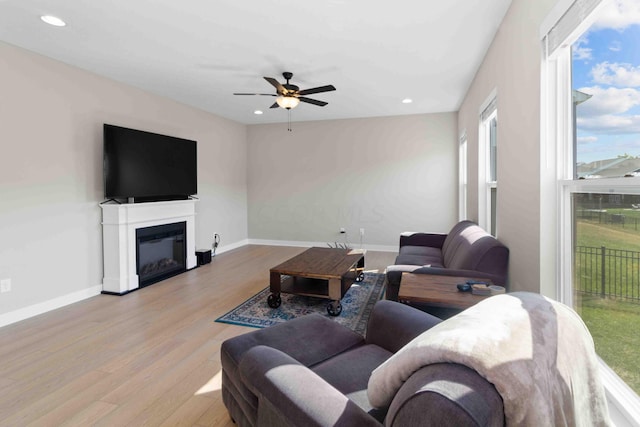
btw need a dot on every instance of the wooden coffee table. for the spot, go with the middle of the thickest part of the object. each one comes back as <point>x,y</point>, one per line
<point>318,272</point>
<point>437,291</point>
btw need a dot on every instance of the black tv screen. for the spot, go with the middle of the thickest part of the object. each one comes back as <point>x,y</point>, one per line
<point>148,166</point>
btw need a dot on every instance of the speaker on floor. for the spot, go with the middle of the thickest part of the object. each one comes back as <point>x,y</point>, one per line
<point>203,256</point>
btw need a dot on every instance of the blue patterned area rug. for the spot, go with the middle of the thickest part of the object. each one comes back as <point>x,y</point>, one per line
<point>357,304</point>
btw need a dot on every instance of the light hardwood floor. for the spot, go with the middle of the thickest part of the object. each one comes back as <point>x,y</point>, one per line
<point>151,357</point>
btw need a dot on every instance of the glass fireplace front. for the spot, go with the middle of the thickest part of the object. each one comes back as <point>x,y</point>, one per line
<point>161,252</point>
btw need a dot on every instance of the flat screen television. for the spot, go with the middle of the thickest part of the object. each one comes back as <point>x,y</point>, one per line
<point>144,166</point>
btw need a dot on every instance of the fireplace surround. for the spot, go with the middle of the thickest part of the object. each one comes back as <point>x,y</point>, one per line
<point>121,225</point>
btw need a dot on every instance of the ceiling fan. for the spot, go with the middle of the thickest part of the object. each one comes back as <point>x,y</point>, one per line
<point>288,96</point>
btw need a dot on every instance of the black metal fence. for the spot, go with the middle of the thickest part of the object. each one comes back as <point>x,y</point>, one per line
<point>601,216</point>
<point>609,273</point>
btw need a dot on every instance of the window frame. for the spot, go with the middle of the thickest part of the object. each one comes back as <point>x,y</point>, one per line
<point>487,170</point>
<point>558,185</point>
<point>463,181</point>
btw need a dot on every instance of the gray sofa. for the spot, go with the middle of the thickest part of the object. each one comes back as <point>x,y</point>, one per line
<point>312,371</point>
<point>467,250</point>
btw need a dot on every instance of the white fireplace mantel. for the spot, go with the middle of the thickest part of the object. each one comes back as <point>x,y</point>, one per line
<point>119,224</point>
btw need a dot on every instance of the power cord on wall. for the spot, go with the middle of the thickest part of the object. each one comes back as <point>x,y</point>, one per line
<point>216,242</point>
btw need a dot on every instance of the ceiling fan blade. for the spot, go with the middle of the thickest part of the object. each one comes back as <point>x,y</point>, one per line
<point>312,101</point>
<point>319,89</point>
<point>261,94</point>
<point>274,105</point>
<point>281,89</point>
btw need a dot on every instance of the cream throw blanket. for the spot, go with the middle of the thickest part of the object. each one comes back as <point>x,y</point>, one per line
<point>536,352</point>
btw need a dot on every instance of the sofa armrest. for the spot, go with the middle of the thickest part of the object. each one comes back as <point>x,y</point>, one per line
<point>495,279</point>
<point>434,240</point>
<point>291,394</point>
<point>452,395</point>
<point>392,325</point>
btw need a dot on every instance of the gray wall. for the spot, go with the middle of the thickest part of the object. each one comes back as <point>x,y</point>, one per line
<point>386,175</point>
<point>512,67</point>
<point>51,118</point>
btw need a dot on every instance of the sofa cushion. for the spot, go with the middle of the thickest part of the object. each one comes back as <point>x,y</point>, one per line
<point>349,373</point>
<point>462,249</point>
<point>418,260</point>
<point>421,250</point>
<point>455,231</point>
<point>419,255</point>
<point>309,339</point>
<point>291,394</point>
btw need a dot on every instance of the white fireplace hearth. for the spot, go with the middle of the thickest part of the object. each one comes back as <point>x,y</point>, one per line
<point>119,225</point>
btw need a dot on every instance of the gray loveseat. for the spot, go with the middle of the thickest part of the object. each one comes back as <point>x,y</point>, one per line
<point>312,371</point>
<point>467,250</point>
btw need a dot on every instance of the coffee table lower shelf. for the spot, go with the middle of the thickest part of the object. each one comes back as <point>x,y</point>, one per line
<point>332,289</point>
<point>305,286</point>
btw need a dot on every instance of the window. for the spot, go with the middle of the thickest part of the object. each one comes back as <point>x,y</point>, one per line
<point>606,142</point>
<point>591,130</point>
<point>462,177</point>
<point>488,161</point>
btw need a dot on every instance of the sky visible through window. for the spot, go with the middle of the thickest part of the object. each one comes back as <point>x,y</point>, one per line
<point>606,65</point>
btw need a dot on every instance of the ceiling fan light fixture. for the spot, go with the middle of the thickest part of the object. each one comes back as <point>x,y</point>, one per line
<point>287,102</point>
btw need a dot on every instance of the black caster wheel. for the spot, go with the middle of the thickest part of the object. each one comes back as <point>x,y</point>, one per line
<point>334,308</point>
<point>360,277</point>
<point>274,301</point>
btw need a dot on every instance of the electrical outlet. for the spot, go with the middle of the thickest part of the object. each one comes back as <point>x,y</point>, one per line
<point>343,230</point>
<point>362,231</point>
<point>5,285</point>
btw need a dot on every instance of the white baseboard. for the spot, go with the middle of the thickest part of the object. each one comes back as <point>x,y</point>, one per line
<point>43,307</point>
<point>236,245</point>
<point>381,248</point>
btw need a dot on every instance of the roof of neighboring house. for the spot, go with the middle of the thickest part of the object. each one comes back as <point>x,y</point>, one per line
<point>610,168</point>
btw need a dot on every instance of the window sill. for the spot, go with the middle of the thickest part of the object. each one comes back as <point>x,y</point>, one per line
<point>624,403</point>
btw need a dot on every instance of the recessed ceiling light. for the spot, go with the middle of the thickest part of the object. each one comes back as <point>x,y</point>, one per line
<point>258,112</point>
<point>407,101</point>
<point>53,20</point>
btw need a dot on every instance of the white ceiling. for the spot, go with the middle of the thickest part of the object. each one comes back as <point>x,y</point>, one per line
<point>200,52</point>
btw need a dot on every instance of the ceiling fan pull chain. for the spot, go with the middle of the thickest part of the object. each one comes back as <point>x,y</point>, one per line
<point>289,126</point>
